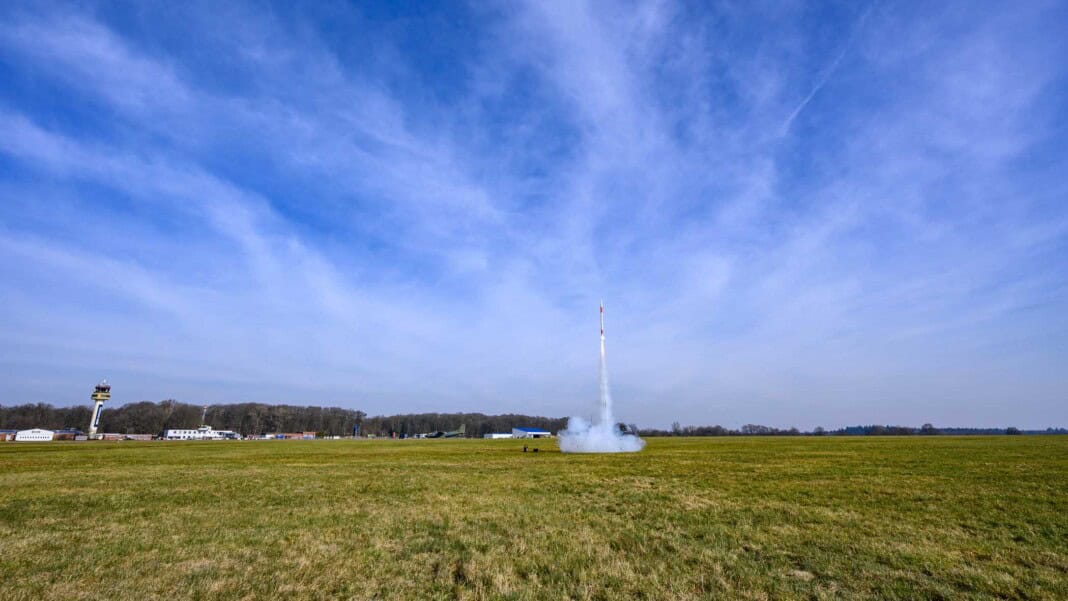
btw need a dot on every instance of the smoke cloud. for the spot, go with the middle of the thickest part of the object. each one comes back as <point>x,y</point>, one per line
<point>583,437</point>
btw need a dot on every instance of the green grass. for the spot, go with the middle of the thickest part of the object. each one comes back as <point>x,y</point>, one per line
<point>738,518</point>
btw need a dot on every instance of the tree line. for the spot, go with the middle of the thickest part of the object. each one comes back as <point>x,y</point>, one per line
<point>869,430</point>
<point>146,417</point>
<point>477,424</point>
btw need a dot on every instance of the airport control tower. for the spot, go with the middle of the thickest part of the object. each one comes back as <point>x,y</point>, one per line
<point>100,394</point>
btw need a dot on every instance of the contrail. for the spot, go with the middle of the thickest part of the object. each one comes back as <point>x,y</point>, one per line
<point>602,374</point>
<point>828,72</point>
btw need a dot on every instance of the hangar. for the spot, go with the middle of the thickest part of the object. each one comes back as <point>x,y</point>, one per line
<point>34,435</point>
<point>530,433</point>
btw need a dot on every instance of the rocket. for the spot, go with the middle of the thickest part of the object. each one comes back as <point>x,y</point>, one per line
<point>602,319</point>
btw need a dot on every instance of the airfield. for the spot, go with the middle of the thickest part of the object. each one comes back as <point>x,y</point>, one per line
<point>729,518</point>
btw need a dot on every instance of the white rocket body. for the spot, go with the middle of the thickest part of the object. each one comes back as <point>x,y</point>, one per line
<point>602,320</point>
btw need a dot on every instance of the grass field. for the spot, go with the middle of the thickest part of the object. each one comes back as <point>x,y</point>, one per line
<point>737,518</point>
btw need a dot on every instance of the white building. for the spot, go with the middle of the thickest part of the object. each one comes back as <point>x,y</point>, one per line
<point>530,433</point>
<point>201,433</point>
<point>497,435</point>
<point>35,435</point>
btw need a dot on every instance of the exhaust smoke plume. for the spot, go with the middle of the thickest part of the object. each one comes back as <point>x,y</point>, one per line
<point>604,436</point>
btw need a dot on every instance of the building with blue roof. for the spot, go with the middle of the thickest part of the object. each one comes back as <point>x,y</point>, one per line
<point>530,433</point>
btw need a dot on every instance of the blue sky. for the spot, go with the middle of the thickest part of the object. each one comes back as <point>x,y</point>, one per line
<point>798,214</point>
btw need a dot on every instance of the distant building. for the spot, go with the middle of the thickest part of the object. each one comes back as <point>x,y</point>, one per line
<point>201,433</point>
<point>7,435</point>
<point>69,434</point>
<point>34,435</point>
<point>530,433</point>
<point>497,435</point>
